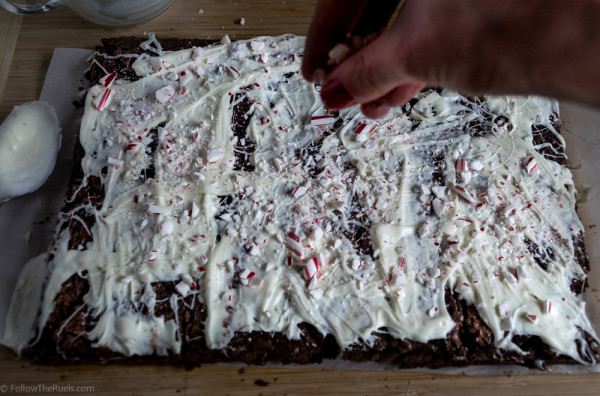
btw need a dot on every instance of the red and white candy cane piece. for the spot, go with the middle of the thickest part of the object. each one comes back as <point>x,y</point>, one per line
<point>312,268</point>
<point>463,192</point>
<point>103,100</point>
<point>432,312</point>
<point>365,128</point>
<point>402,262</point>
<point>463,288</point>
<point>520,273</point>
<point>195,211</point>
<point>152,256</point>
<point>157,209</point>
<point>461,165</point>
<point>321,120</point>
<point>247,274</point>
<point>289,261</point>
<point>547,307</point>
<point>108,80</point>
<point>300,191</point>
<point>532,317</point>
<point>293,243</point>
<point>530,164</point>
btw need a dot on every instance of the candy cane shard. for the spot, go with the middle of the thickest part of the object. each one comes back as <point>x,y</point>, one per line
<point>293,243</point>
<point>463,288</point>
<point>461,165</point>
<point>312,267</point>
<point>300,191</point>
<point>321,120</point>
<point>463,192</point>
<point>108,80</point>
<point>103,100</point>
<point>182,288</point>
<point>530,164</point>
<point>246,275</point>
<point>547,307</point>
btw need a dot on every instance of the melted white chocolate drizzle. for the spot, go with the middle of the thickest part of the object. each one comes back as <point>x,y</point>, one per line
<point>466,234</point>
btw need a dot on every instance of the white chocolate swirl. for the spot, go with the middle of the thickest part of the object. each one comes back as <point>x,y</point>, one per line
<point>467,234</point>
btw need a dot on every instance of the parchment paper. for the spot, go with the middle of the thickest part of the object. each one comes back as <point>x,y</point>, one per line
<point>27,223</point>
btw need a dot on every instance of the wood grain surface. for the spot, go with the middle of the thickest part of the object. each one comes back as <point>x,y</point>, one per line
<point>33,39</point>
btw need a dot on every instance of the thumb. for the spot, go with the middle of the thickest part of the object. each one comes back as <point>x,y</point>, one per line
<point>369,74</point>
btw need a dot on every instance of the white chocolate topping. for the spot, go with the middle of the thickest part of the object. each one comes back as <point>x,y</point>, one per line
<point>276,254</point>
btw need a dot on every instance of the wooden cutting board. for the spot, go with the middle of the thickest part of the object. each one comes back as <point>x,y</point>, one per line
<point>26,47</point>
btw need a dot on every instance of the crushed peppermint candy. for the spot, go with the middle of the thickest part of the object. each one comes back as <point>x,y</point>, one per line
<point>520,273</point>
<point>424,231</point>
<point>461,165</point>
<point>438,207</point>
<point>464,192</point>
<point>532,317</point>
<point>463,288</point>
<point>246,275</point>
<point>183,289</point>
<point>197,53</point>
<point>164,94</point>
<point>257,46</point>
<point>156,63</point>
<point>108,80</point>
<point>195,210</point>
<point>166,228</point>
<point>466,177</point>
<point>300,191</point>
<point>158,209</point>
<point>214,154</point>
<point>547,307</point>
<point>530,164</point>
<point>317,293</point>
<point>293,244</point>
<point>312,267</point>
<point>476,165</point>
<point>321,120</point>
<point>432,312</point>
<point>103,100</point>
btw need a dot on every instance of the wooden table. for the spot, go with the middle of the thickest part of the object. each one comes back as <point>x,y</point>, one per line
<point>26,47</point>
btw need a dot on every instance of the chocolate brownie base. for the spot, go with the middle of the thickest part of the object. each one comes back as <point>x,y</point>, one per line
<point>65,336</point>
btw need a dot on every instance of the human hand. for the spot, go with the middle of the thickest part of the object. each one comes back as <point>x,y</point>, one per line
<point>474,46</point>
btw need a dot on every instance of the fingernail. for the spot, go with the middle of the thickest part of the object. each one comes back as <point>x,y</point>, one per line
<point>335,96</point>
<point>375,109</point>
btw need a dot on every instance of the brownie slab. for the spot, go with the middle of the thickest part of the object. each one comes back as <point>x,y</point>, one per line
<point>217,212</point>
